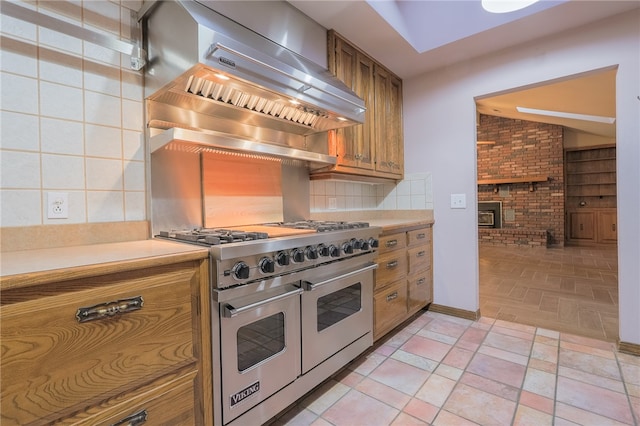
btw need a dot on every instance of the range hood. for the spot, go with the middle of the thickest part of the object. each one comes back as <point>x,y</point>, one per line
<point>206,72</point>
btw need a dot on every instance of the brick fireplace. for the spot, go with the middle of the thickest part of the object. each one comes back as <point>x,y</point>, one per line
<point>532,212</point>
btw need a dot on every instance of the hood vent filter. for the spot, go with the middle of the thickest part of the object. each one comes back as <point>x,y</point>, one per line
<point>218,92</point>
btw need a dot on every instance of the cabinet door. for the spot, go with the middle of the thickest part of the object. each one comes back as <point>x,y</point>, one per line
<point>607,227</point>
<point>389,151</point>
<point>389,307</point>
<point>353,145</point>
<point>582,226</point>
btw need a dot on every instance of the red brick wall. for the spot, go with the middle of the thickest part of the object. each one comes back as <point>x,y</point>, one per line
<point>524,148</point>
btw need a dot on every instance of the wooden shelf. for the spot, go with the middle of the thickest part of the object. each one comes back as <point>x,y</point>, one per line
<point>525,179</point>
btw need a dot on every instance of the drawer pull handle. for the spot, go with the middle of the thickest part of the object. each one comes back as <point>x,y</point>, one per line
<point>133,420</point>
<point>392,296</point>
<point>421,281</point>
<point>421,236</point>
<point>421,253</point>
<point>392,243</point>
<point>613,227</point>
<point>109,309</point>
<point>392,264</point>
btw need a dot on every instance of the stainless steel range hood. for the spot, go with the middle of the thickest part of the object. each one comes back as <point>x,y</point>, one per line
<point>207,72</point>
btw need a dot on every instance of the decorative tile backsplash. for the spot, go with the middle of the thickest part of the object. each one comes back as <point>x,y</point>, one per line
<point>412,193</point>
<point>72,118</point>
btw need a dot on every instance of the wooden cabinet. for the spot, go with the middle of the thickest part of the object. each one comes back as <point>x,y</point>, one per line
<point>108,348</point>
<point>592,226</point>
<point>374,149</point>
<point>590,176</point>
<point>404,279</point>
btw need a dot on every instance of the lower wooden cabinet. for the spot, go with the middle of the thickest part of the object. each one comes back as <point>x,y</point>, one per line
<point>593,226</point>
<point>404,279</point>
<point>108,349</point>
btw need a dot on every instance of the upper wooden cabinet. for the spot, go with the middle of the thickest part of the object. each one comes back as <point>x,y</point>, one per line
<point>373,149</point>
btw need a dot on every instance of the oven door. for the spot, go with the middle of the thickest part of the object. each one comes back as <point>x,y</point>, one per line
<point>260,341</point>
<point>336,312</point>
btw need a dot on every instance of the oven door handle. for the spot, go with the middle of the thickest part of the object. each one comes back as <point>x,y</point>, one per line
<point>229,311</point>
<point>310,286</point>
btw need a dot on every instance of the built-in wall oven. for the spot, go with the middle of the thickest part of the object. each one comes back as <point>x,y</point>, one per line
<point>288,312</point>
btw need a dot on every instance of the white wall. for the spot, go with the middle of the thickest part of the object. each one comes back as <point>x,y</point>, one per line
<point>439,113</point>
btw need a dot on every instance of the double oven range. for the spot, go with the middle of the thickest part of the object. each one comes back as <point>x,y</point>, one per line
<point>287,311</point>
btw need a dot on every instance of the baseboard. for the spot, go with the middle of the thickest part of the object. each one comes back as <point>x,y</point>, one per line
<point>456,312</point>
<point>629,348</point>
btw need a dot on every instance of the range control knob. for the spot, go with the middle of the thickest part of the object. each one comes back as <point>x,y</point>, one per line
<point>267,265</point>
<point>373,242</point>
<point>323,250</point>
<point>356,243</point>
<point>283,258</point>
<point>334,251</point>
<point>311,252</point>
<point>347,247</point>
<point>364,245</point>
<point>298,255</point>
<point>240,270</point>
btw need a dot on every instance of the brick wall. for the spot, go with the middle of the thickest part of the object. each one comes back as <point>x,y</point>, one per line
<point>523,148</point>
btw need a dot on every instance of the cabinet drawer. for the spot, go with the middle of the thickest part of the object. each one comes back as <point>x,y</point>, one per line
<point>389,243</point>
<point>391,267</point>
<point>390,307</point>
<point>419,258</point>
<point>420,290</point>
<point>166,402</point>
<point>419,236</point>
<point>54,364</point>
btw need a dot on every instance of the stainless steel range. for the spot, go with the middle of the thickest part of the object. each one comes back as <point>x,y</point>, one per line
<point>293,303</point>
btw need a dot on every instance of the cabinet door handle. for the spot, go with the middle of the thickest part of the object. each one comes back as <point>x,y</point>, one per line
<point>392,264</point>
<point>392,296</point>
<point>421,253</point>
<point>613,227</point>
<point>421,236</point>
<point>391,243</point>
<point>109,309</point>
<point>421,281</point>
<point>133,420</point>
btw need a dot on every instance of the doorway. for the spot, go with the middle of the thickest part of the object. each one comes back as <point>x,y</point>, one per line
<point>555,284</point>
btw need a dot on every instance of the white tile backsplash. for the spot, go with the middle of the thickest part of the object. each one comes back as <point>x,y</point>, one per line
<point>62,116</point>
<point>105,206</point>
<point>103,141</point>
<point>104,174</point>
<point>19,131</point>
<point>21,207</point>
<point>412,193</point>
<point>20,170</point>
<point>61,101</point>
<point>62,172</point>
<point>19,94</point>
<point>61,136</point>
<point>102,109</point>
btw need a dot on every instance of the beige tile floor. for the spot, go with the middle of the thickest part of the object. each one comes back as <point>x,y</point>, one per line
<point>571,289</point>
<point>444,370</point>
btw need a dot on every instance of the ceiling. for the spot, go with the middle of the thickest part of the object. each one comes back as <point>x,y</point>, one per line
<point>411,37</point>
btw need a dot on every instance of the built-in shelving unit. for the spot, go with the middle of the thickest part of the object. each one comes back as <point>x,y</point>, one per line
<point>590,180</point>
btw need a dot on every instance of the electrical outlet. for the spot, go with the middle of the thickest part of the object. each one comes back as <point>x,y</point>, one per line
<point>57,205</point>
<point>458,201</point>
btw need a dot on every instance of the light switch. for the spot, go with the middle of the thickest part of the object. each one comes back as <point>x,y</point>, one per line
<point>458,201</point>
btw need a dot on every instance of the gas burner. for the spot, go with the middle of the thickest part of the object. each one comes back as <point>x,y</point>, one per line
<point>211,236</point>
<point>320,225</point>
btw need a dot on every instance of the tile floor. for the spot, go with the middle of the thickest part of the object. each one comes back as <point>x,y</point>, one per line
<point>444,370</point>
<point>570,289</point>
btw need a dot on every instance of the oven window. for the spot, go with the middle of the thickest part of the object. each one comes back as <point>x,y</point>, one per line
<point>260,340</point>
<point>340,304</point>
